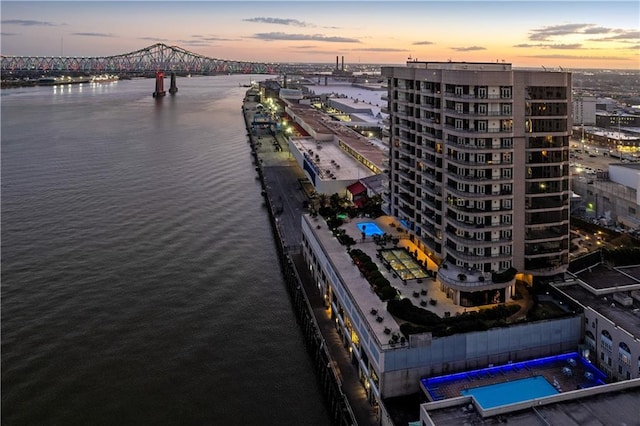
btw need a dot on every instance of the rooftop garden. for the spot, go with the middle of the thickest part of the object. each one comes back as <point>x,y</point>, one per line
<point>372,274</point>
<point>329,206</point>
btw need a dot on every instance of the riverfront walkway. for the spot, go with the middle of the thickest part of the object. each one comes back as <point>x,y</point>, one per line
<point>283,178</point>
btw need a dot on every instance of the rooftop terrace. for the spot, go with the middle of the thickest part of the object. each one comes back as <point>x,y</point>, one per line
<point>615,403</point>
<point>332,130</point>
<point>608,278</point>
<point>410,272</point>
<point>331,160</point>
<point>627,317</point>
<point>372,308</point>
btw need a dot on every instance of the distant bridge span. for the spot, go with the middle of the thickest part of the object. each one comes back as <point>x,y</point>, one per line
<point>158,57</point>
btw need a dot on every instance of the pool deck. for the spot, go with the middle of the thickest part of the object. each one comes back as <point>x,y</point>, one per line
<point>420,290</point>
<point>550,371</point>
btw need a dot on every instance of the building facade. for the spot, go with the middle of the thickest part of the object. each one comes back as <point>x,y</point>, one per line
<point>584,109</point>
<point>479,171</point>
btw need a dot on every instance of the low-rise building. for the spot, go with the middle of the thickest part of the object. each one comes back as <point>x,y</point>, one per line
<point>616,198</point>
<point>610,298</point>
<point>332,156</point>
<point>389,362</point>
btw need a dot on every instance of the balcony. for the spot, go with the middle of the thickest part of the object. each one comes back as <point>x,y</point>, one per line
<point>488,195</point>
<point>470,257</point>
<point>488,132</point>
<point>546,203</point>
<point>547,233</point>
<point>471,114</point>
<point>469,241</point>
<point>538,250</point>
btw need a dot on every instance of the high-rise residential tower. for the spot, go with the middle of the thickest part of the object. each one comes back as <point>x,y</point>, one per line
<point>479,172</point>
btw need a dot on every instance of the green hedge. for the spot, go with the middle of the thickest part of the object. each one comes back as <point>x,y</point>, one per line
<point>421,320</point>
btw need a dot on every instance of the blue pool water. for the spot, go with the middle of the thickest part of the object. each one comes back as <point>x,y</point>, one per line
<point>370,228</point>
<point>491,396</point>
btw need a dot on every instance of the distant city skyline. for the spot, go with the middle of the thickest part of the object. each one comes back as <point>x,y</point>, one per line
<point>569,34</point>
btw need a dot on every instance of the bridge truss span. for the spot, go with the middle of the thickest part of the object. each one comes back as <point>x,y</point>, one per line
<point>158,57</point>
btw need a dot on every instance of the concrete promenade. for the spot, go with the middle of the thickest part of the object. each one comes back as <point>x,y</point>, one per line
<point>283,177</point>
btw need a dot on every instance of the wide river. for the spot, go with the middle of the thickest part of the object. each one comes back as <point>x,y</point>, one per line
<point>140,283</point>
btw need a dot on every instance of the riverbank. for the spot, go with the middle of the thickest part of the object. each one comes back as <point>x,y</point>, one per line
<point>281,179</point>
<point>57,81</point>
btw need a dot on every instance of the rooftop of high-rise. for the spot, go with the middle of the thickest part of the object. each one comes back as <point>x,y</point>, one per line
<point>465,66</point>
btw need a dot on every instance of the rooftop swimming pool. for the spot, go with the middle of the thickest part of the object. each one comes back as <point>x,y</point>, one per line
<point>505,393</point>
<point>370,228</point>
<point>561,372</point>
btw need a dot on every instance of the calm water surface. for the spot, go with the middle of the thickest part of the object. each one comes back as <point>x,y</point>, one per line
<point>140,283</point>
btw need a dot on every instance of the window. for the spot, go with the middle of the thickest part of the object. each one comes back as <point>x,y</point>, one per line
<point>507,142</point>
<point>505,92</point>
<point>459,123</point>
<point>459,108</point>
<point>482,109</point>
<point>506,109</point>
<point>459,90</point>
<point>505,249</point>
<point>505,218</point>
<point>480,158</point>
<point>482,126</point>
<point>506,157</point>
<point>506,173</point>
<point>482,92</point>
<point>506,204</point>
<point>461,186</point>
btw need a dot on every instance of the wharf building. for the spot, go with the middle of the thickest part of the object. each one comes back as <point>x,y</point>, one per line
<point>332,155</point>
<point>479,172</point>
<point>389,362</point>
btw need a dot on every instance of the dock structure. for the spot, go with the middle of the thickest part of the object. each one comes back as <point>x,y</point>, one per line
<point>173,88</point>
<point>159,85</point>
<point>284,195</point>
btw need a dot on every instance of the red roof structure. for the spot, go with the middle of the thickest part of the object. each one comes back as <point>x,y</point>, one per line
<point>358,193</point>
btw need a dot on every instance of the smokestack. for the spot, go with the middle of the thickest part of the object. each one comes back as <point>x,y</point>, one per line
<point>336,63</point>
<point>343,63</point>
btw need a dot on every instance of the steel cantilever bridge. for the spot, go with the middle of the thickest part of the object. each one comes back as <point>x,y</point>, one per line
<point>158,57</point>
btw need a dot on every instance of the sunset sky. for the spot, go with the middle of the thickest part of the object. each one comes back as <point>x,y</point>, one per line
<point>570,34</point>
